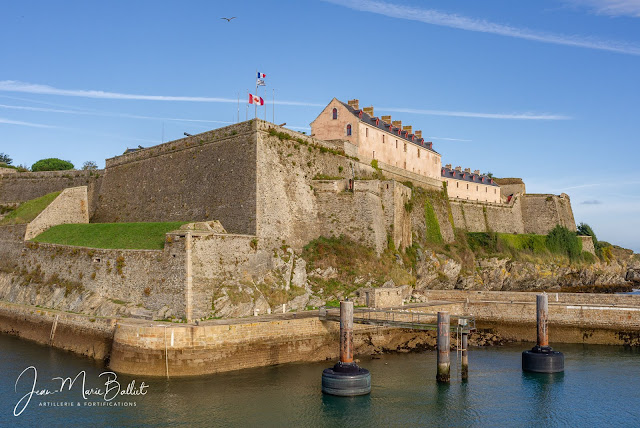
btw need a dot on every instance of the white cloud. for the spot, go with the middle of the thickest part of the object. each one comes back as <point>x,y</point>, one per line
<point>611,7</point>
<point>448,139</point>
<point>21,123</point>
<point>16,86</point>
<point>434,17</point>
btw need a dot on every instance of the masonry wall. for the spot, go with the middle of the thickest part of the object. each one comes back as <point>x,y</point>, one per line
<point>479,217</point>
<point>210,176</point>
<point>541,213</point>
<point>83,279</point>
<point>217,260</point>
<point>71,206</point>
<point>587,244</point>
<point>24,186</point>
<point>398,221</point>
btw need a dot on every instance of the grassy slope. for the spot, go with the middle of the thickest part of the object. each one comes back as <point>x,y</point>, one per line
<point>142,236</point>
<point>29,210</point>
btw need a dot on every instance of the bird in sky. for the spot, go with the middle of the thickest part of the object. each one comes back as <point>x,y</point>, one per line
<point>229,19</point>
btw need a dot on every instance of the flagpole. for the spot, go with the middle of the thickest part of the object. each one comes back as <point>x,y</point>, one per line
<point>257,95</point>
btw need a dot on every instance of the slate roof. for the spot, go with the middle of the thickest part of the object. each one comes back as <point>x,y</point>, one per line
<point>364,117</point>
<point>468,176</point>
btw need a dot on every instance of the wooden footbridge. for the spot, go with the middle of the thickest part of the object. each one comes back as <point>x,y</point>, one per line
<point>410,318</point>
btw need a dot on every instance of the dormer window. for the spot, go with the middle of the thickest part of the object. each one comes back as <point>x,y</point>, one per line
<point>377,122</point>
<point>360,114</point>
<point>335,113</point>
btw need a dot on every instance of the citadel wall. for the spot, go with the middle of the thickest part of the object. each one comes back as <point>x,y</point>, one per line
<point>541,213</point>
<point>24,186</point>
<point>71,206</point>
<point>486,217</point>
<point>210,176</point>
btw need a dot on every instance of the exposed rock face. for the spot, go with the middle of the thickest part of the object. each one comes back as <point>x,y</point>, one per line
<point>633,275</point>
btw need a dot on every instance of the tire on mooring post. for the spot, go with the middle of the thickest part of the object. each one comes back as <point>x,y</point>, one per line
<point>346,378</point>
<point>542,358</point>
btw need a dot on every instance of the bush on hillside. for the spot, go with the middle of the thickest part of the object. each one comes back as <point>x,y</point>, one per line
<point>51,164</point>
<point>563,241</point>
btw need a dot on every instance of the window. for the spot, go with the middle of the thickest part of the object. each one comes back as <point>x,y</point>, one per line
<point>418,152</point>
<point>335,113</point>
<point>366,132</point>
<point>477,189</point>
<point>405,147</point>
<point>494,191</point>
<point>396,144</point>
<point>467,188</point>
<point>382,138</point>
<point>348,130</point>
<point>405,164</point>
<point>486,189</point>
<point>374,154</point>
<point>457,184</point>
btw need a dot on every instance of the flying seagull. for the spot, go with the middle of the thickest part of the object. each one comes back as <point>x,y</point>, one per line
<point>229,19</point>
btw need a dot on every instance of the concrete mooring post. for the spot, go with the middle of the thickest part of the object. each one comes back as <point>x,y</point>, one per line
<point>346,378</point>
<point>465,358</point>
<point>444,345</point>
<point>542,358</point>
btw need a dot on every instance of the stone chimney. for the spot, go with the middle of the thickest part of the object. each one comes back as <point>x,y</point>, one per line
<point>386,119</point>
<point>368,110</point>
<point>467,170</point>
<point>448,166</point>
<point>476,172</point>
<point>354,104</point>
<point>459,168</point>
<point>408,129</point>
<point>418,134</point>
<point>397,123</point>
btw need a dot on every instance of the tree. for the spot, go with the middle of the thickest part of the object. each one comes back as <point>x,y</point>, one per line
<point>5,159</point>
<point>89,166</point>
<point>51,164</point>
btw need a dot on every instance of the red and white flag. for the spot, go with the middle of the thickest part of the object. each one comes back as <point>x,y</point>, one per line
<point>253,99</point>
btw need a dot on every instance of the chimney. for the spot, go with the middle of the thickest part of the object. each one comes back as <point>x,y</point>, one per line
<point>448,166</point>
<point>368,110</point>
<point>467,170</point>
<point>386,119</point>
<point>476,172</point>
<point>354,104</point>
<point>408,129</point>
<point>397,123</point>
<point>459,168</point>
<point>418,134</point>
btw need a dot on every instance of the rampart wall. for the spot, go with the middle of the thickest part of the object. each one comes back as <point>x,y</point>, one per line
<point>541,213</point>
<point>486,217</point>
<point>25,186</point>
<point>210,176</point>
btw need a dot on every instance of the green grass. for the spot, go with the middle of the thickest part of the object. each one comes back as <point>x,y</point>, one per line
<point>29,210</point>
<point>134,236</point>
<point>434,236</point>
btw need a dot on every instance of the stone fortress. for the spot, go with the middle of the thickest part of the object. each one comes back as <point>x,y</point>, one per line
<point>255,194</point>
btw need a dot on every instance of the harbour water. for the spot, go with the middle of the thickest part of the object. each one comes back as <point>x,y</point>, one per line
<point>600,387</point>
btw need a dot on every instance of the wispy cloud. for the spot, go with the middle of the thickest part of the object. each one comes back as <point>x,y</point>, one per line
<point>591,202</point>
<point>520,116</point>
<point>611,7</point>
<point>16,86</point>
<point>434,17</point>
<point>21,123</point>
<point>32,88</point>
<point>448,139</point>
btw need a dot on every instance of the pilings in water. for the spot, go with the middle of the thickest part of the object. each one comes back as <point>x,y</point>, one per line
<point>542,358</point>
<point>346,378</point>
<point>464,370</point>
<point>444,345</point>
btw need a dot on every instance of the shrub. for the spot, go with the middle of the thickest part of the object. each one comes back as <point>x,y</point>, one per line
<point>586,230</point>
<point>563,241</point>
<point>51,164</point>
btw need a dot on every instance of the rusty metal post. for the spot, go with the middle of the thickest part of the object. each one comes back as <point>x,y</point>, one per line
<point>542,318</point>
<point>444,345</point>
<point>465,357</point>
<point>346,332</point>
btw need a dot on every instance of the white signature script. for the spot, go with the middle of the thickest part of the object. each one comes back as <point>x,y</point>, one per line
<point>111,390</point>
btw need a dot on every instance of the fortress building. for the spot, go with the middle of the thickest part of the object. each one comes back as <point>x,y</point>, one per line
<point>391,144</point>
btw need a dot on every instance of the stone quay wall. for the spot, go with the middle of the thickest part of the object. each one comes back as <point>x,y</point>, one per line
<point>84,335</point>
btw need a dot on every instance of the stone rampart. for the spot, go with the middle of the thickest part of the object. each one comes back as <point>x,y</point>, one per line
<point>71,206</point>
<point>24,186</point>
<point>210,176</point>
<point>488,217</point>
<point>541,213</point>
<point>587,244</point>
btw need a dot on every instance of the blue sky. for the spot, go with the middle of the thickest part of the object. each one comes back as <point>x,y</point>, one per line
<point>548,90</point>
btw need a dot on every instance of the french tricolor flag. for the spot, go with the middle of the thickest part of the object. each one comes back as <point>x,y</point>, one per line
<point>256,100</point>
<point>261,75</point>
